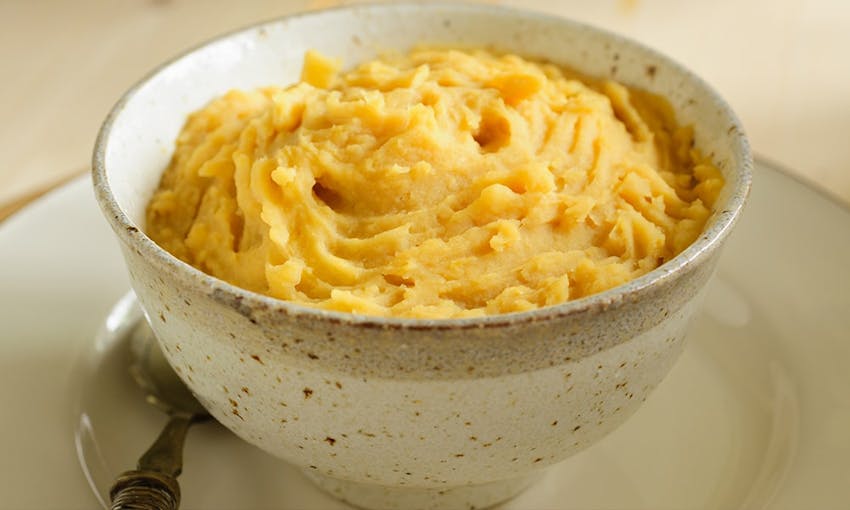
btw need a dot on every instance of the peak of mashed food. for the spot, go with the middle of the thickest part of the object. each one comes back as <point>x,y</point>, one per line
<point>440,184</point>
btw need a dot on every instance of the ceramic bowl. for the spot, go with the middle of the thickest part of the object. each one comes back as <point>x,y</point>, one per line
<point>407,413</point>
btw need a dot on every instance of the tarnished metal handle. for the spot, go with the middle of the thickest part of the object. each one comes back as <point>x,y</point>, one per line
<point>145,490</point>
<point>153,485</point>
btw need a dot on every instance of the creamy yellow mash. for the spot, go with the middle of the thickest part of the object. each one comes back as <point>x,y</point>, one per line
<point>433,184</point>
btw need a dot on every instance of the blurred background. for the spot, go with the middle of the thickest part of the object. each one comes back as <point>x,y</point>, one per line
<point>782,64</point>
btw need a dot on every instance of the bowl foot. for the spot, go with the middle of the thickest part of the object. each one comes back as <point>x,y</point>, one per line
<point>382,497</point>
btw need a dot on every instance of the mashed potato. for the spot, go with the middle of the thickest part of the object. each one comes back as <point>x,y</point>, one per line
<point>433,184</point>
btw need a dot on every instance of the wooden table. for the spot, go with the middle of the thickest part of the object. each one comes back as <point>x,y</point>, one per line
<point>783,65</point>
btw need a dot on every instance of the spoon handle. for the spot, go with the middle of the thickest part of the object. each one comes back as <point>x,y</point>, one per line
<point>145,490</point>
<point>153,484</point>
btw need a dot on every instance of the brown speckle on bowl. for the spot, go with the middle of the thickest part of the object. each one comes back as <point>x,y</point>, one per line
<point>307,393</point>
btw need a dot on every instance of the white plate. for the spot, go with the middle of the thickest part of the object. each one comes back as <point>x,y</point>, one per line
<point>756,414</point>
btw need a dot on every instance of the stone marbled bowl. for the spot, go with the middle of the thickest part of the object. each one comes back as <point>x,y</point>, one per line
<point>406,413</point>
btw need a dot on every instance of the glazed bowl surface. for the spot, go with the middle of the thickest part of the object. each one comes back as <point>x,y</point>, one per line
<point>410,413</point>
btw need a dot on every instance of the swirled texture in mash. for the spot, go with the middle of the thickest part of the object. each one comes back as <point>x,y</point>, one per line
<point>433,184</point>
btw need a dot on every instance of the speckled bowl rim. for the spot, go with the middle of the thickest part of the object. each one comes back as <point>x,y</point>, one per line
<point>631,291</point>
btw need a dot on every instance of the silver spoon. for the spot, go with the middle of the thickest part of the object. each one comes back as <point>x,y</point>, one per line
<point>153,484</point>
